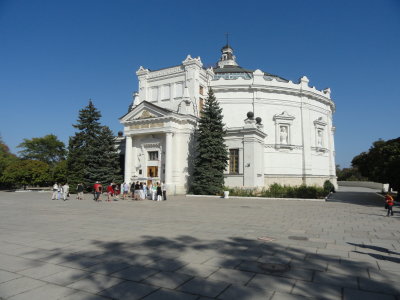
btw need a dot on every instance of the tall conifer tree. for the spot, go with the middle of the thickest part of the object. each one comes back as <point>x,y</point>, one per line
<point>92,155</point>
<point>212,155</point>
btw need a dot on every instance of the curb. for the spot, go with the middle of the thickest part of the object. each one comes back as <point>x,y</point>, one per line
<point>263,198</point>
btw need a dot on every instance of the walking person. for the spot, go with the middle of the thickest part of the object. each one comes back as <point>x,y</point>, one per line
<point>159,192</point>
<point>390,203</point>
<point>164,191</point>
<point>65,191</point>
<point>59,192</point>
<point>79,190</point>
<point>98,189</point>
<point>55,191</point>
<point>110,192</point>
<point>125,190</point>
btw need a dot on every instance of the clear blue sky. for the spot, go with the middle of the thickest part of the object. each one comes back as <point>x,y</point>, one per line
<point>55,55</point>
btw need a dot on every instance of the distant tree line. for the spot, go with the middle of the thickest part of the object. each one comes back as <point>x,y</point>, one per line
<point>381,163</point>
<point>91,156</point>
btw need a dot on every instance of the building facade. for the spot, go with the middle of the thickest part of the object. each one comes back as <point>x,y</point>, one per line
<point>278,131</point>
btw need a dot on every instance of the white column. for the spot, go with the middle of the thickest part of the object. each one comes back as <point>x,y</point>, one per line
<point>128,158</point>
<point>168,158</point>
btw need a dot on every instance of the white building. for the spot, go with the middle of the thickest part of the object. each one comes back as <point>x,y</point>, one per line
<point>277,130</point>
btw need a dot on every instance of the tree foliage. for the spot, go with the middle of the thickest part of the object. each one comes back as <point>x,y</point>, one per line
<point>92,155</point>
<point>27,172</point>
<point>47,149</point>
<point>381,163</point>
<point>212,155</point>
<point>349,174</point>
<point>6,158</point>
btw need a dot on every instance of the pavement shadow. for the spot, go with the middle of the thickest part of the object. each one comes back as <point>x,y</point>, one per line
<point>358,198</point>
<point>184,267</point>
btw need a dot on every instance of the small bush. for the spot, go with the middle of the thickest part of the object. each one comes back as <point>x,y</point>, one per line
<point>328,186</point>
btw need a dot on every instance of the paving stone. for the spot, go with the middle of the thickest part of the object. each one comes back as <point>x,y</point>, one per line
<point>245,292</point>
<point>168,265</point>
<point>7,276</point>
<point>386,287</point>
<point>165,294</point>
<point>272,283</point>
<point>17,286</point>
<point>204,287</point>
<point>43,271</point>
<point>66,277</point>
<point>128,290</point>
<point>317,290</point>
<point>167,280</point>
<point>335,279</point>
<point>48,291</point>
<point>134,273</point>
<point>232,276</point>
<point>223,262</point>
<point>198,270</point>
<point>351,294</point>
<point>80,295</point>
<point>286,296</point>
<point>108,267</point>
<point>94,283</point>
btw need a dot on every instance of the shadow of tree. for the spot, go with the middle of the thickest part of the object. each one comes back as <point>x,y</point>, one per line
<point>185,267</point>
<point>358,198</point>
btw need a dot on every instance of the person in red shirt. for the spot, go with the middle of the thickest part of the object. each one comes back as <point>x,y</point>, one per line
<point>98,189</point>
<point>390,203</point>
<point>110,192</point>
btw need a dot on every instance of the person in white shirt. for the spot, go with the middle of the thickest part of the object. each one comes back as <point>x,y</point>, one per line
<point>55,191</point>
<point>65,190</point>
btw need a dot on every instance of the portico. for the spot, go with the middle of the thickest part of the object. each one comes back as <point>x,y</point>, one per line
<point>157,140</point>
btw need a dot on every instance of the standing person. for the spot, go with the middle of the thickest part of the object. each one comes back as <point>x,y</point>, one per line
<point>132,190</point>
<point>164,191</point>
<point>110,192</point>
<point>125,190</point>
<point>154,192</point>
<point>144,190</point>
<point>159,192</point>
<point>390,203</point>
<point>79,189</point>
<point>116,191</point>
<point>137,190</point>
<point>59,192</point>
<point>55,191</point>
<point>65,191</point>
<point>98,188</point>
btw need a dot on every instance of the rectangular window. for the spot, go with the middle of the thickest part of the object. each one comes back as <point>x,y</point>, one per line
<point>179,90</point>
<point>154,93</point>
<point>166,92</point>
<point>233,161</point>
<point>201,90</point>
<point>153,155</point>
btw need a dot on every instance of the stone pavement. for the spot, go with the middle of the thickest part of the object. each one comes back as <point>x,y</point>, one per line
<point>199,248</point>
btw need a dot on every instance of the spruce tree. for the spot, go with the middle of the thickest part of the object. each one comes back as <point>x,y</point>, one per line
<point>92,155</point>
<point>212,156</point>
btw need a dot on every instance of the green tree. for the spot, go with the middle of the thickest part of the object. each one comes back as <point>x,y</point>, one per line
<point>381,163</point>
<point>59,172</point>
<point>349,174</point>
<point>27,172</point>
<point>47,149</point>
<point>212,155</point>
<point>6,158</point>
<point>92,155</point>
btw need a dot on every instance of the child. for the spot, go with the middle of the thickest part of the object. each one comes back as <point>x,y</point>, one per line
<point>390,203</point>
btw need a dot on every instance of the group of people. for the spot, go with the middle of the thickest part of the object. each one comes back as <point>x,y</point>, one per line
<point>60,191</point>
<point>140,191</point>
<point>136,190</point>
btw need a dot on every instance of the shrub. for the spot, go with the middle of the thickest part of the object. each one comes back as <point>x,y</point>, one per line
<point>328,186</point>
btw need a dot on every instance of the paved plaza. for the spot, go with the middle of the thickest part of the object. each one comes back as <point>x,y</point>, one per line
<point>199,248</point>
